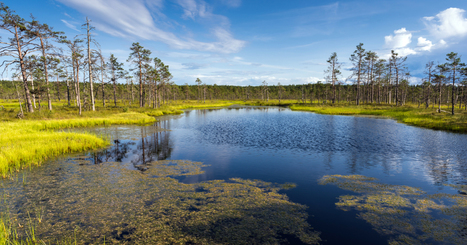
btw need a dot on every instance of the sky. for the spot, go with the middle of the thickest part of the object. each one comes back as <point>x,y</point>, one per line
<point>240,42</point>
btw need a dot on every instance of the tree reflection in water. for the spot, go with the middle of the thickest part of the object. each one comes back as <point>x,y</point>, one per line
<point>136,145</point>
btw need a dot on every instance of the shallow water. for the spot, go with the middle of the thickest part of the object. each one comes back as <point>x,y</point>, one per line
<point>131,190</point>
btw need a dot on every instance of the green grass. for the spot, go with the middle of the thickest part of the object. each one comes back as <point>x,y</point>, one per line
<point>408,114</point>
<point>29,142</point>
<point>25,143</point>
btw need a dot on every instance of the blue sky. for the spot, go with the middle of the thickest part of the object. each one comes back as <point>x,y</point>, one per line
<point>239,42</point>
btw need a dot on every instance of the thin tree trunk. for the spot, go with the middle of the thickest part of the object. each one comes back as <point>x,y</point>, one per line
<point>23,72</point>
<point>49,101</point>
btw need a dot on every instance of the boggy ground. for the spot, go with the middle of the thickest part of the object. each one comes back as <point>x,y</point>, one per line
<point>407,215</point>
<point>29,141</point>
<point>107,204</point>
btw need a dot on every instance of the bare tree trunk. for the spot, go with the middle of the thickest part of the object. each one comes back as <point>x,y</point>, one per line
<point>58,88</point>
<point>140,85</point>
<point>19,100</point>
<point>33,95</point>
<point>49,101</point>
<point>78,97</point>
<point>90,65</point>
<point>23,72</point>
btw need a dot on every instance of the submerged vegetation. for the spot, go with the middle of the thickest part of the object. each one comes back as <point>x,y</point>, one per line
<point>407,214</point>
<point>107,202</point>
<point>28,142</point>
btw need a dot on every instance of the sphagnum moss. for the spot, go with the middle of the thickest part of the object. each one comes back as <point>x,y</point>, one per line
<point>407,214</point>
<point>108,201</point>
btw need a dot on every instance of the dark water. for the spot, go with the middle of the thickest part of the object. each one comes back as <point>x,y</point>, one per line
<point>281,146</point>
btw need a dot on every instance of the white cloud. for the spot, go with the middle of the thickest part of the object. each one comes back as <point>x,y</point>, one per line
<point>405,51</point>
<point>191,8</point>
<point>442,42</point>
<point>69,25</point>
<point>312,80</point>
<point>401,39</point>
<point>424,44</point>
<point>399,43</point>
<point>132,19</point>
<point>448,23</point>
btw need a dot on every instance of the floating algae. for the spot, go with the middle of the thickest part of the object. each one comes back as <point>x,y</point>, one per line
<point>109,202</point>
<point>407,214</point>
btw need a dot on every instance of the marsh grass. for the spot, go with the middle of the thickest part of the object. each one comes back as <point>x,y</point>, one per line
<point>409,114</point>
<point>28,143</point>
<point>407,214</point>
<point>108,202</point>
<point>63,111</point>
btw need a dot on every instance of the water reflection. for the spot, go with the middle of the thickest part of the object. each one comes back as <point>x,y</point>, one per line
<point>278,146</point>
<point>364,143</point>
<point>131,144</point>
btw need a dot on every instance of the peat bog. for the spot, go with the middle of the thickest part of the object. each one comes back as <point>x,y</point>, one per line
<point>249,175</point>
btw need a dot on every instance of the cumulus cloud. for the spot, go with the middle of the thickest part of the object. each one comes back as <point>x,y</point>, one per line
<point>424,44</point>
<point>399,42</point>
<point>132,19</point>
<point>447,24</point>
<point>400,39</point>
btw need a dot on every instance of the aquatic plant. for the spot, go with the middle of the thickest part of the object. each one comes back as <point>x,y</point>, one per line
<point>407,214</point>
<point>108,201</point>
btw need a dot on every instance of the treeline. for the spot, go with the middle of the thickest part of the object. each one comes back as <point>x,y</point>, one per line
<point>41,67</point>
<point>379,80</point>
<point>81,75</point>
<point>126,93</point>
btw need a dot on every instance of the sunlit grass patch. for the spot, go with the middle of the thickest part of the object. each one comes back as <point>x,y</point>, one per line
<point>407,214</point>
<point>408,114</point>
<point>30,142</point>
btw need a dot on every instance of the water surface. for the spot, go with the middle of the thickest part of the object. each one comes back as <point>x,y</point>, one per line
<point>231,187</point>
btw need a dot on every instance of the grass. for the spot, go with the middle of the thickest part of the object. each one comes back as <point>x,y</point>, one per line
<point>408,114</point>
<point>29,142</point>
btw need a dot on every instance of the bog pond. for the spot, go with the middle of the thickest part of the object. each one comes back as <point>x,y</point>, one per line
<point>250,175</point>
